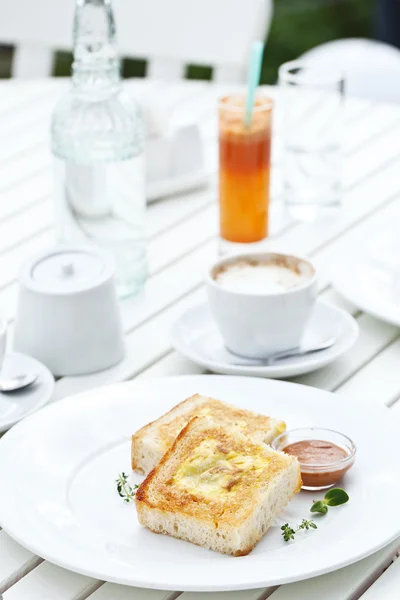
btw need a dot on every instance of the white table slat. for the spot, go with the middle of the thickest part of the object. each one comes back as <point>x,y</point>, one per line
<point>345,584</point>
<point>11,261</point>
<point>171,364</point>
<point>30,114</point>
<point>357,109</point>
<point>25,225</point>
<point>16,97</point>
<point>48,582</point>
<point>21,168</point>
<point>357,123</point>
<point>8,301</point>
<point>331,296</point>
<point>359,204</point>
<point>384,118</point>
<point>395,407</point>
<point>110,591</point>
<point>168,212</point>
<point>371,156</point>
<point>361,163</point>
<point>168,286</point>
<point>15,561</point>
<point>179,241</point>
<point>387,587</point>
<point>144,346</point>
<point>259,594</point>
<point>34,140</point>
<point>195,231</point>
<point>34,190</point>
<point>378,381</point>
<point>374,336</point>
<point>364,139</point>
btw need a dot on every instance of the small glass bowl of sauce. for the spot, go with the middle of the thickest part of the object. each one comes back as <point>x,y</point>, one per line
<point>324,454</point>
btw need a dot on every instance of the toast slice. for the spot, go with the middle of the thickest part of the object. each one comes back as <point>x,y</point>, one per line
<point>150,443</point>
<point>216,488</point>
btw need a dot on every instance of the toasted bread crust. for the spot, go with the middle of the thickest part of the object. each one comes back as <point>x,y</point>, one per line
<point>136,437</point>
<point>154,439</point>
<point>220,494</point>
<point>141,492</point>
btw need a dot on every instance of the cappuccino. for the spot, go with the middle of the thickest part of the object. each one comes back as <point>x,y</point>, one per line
<point>258,277</point>
<point>262,301</point>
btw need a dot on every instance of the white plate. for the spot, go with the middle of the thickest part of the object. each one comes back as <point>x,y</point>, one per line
<point>67,456</point>
<point>195,335</point>
<point>17,405</point>
<point>366,268</point>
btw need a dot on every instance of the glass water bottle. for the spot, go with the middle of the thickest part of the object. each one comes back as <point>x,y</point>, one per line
<point>98,144</point>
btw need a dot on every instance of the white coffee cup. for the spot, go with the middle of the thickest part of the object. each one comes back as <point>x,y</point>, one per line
<point>258,322</point>
<point>3,340</point>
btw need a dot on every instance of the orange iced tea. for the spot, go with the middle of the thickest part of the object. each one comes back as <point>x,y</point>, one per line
<point>244,168</point>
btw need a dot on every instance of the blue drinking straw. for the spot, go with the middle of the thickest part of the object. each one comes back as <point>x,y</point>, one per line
<point>253,80</point>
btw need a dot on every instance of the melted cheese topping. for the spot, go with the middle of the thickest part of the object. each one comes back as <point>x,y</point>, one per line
<point>214,471</point>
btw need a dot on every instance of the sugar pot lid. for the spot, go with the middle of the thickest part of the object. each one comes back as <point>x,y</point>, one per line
<point>65,270</point>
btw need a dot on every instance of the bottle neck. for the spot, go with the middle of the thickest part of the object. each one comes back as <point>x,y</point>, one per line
<point>96,77</point>
<point>96,63</point>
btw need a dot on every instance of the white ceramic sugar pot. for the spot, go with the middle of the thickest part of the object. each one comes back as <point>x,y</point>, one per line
<point>67,315</point>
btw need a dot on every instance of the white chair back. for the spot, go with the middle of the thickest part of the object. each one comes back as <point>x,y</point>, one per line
<point>372,69</point>
<point>169,33</point>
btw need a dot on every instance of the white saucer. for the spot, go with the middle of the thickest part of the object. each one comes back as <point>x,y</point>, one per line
<point>15,406</point>
<point>195,335</point>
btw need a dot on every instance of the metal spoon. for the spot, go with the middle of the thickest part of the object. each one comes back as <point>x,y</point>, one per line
<point>277,356</point>
<point>17,382</point>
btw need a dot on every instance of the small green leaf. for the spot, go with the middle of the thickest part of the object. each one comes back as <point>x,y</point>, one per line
<point>307,524</point>
<point>126,491</point>
<point>287,532</point>
<point>319,507</point>
<point>335,497</point>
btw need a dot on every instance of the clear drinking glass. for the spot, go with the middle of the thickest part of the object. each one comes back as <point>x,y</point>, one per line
<point>311,118</point>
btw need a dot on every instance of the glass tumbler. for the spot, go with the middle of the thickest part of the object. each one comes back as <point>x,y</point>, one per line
<point>244,171</point>
<point>311,113</point>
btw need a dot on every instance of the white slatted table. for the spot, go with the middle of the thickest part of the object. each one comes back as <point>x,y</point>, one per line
<point>182,238</point>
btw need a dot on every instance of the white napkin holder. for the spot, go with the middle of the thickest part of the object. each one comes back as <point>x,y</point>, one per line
<point>174,151</point>
<point>67,314</point>
<point>174,155</point>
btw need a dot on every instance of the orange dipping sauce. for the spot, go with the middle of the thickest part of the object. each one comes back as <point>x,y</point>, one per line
<point>244,170</point>
<point>323,454</point>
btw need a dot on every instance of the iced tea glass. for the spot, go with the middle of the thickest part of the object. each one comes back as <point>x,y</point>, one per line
<point>244,170</point>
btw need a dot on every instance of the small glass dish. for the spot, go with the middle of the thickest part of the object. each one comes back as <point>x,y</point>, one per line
<point>319,475</point>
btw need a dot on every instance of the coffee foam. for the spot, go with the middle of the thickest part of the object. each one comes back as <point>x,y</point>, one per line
<point>275,276</point>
